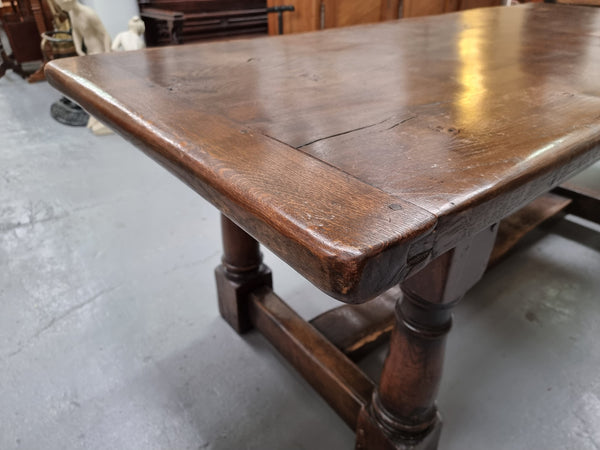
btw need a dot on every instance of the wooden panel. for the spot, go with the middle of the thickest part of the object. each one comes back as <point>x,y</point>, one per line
<point>202,20</point>
<point>337,13</point>
<point>513,228</point>
<point>469,4</point>
<point>580,2</point>
<point>306,16</point>
<point>23,37</point>
<point>223,24</point>
<point>193,6</point>
<point>356,329</point>
<point>339,381</point>
<point>389,9</point>
<point>340,13</point>
<point>42,15</point>
<point>417,8</point>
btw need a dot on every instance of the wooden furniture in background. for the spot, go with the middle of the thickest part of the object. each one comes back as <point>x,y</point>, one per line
<point>177,21</point>
<point>376,159</point>
<point>306,16</point>
<point>417,8</point>
<point>24,23</point>
<point>43,15</point>
<point>21,29</point>
<point>341,13</point>
<point>184,21</point>
<point>576,2</point>
<point>311,15</point>
<point>162,27</point>
<point>7,62</point>
<point>54,28</point>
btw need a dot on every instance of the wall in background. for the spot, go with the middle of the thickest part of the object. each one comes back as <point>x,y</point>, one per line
<point>114,13</point>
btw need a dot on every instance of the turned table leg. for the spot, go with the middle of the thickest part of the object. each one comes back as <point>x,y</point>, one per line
<point>402,413</point>
<point>241,272</point>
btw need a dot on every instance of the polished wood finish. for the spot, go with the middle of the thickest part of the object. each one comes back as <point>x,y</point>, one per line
<point>256,180</point>
<point>356,329</point>
<point>203,112</point>
<point>364,157</point>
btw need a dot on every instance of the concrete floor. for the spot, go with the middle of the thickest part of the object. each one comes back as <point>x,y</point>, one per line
<point>110,335</point>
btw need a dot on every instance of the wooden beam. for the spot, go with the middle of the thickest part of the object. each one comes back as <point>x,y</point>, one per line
<point>337,379</point>
<point>585,201</point>
<point>356,329</point>
<point>512,229</point>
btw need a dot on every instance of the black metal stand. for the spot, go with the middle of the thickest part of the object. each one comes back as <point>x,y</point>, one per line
<point>280,10</point>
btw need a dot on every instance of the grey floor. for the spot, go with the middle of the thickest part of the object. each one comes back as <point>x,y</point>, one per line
<point>110,336</point>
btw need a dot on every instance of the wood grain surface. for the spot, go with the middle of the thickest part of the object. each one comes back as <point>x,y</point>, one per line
<point>359,154</point>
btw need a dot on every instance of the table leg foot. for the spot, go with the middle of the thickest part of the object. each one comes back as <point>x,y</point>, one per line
<point>371,435</point>
<point>402,413</point>
<point>240,273</point>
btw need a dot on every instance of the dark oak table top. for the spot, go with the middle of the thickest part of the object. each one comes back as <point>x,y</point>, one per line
<point>358,154</point>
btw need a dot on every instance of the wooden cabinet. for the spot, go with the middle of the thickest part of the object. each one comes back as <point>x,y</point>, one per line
<point>305,17</point>
<point>416,8</point>
<point>341,13</point>
<point>181,21</point>
<point>310,15</point>
<point>22,21</point>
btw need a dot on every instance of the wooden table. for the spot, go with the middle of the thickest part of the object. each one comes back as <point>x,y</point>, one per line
<point>364,157</point>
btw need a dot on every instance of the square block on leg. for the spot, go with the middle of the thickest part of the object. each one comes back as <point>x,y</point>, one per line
<point>370,435</point>
<point>234,290</point>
